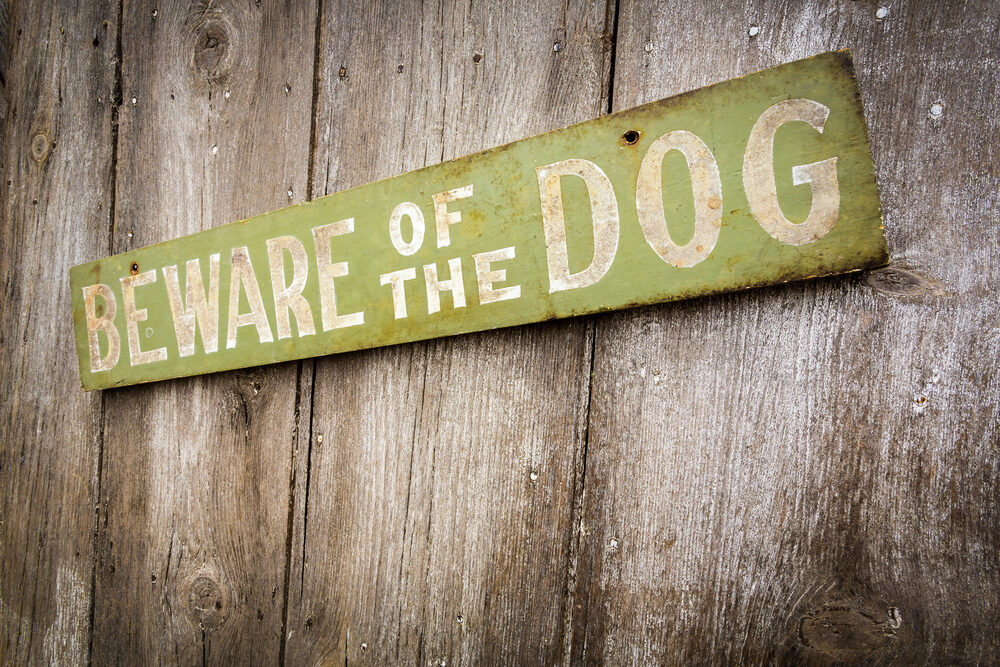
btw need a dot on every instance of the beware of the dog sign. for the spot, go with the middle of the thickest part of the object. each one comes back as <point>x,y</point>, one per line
<point>759,180</point>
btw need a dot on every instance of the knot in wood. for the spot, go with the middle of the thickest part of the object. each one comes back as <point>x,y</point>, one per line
<point>895,281</point>
<point>207,601</point>
<point>251,381</point>
<point>214,46</point>
<point>41,146</point>
<point>845,632</point>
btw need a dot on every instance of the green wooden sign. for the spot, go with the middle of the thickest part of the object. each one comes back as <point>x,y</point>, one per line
<point>759,180</point>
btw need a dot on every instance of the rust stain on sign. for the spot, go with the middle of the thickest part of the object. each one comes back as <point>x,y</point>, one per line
<point>754,181</point>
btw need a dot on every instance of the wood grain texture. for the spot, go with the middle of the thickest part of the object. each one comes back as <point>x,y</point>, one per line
<point>433,507</point>
<point>4,39</point>
<point>4,43</point>
<point>810,472</point>
<point>796,474</point>
<point>56,195</point>
<point>214,127</point>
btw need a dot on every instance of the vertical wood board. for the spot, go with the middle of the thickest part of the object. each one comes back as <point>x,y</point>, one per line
<point>214,125</point>
<point>433,522</point>
<point>810,472</point>
<point>56,195</point>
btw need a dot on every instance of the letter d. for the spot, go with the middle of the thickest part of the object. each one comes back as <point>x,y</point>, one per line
<point>604,209</point>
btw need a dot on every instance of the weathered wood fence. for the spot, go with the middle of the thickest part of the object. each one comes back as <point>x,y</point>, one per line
<point>808,472</point>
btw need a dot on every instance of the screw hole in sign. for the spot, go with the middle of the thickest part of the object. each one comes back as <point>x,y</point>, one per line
<point>133,268</point>
<point>630,137</point>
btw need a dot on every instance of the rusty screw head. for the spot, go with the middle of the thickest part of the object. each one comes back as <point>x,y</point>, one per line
<point>133,268</point>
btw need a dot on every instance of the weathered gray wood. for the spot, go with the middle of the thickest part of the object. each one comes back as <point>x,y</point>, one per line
<point>56,195</point>
<point>214,127</point>
<point>4,38</point>
<point>800,473</point>
<point>436,481</point>
<point>4,42</point>
<point>811,471</point>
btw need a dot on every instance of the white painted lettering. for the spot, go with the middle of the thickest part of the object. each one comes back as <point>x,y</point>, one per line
<point>105,323</point>
<point>328,271</point>
<point>200,307</point>
<point>758,176</point>
<point>445,218</point>
<point>453,284</point>
<point>486,276</point>
<point>242,273</point>
<point>135,315</point>
<point>706,186</point>
<point>289,297</point>
<point>396,280</point>
<point>604,211</point>
<point>413,212</point>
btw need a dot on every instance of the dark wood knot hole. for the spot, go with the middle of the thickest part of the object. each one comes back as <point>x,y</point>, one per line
<point>207,602</point>
<point>40,146</point>
<point>212,49</point>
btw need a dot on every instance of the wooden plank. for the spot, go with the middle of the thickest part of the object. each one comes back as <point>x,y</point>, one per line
<point>56,197</point>
<point>569,222</point>
<point>436,480</point>
<point>810,472</point>
<point>4,41</point>
<point>214,126</point>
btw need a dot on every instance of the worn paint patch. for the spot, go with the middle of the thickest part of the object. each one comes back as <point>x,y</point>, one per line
<point>755,181</point>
